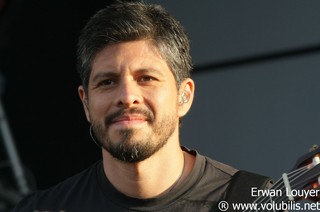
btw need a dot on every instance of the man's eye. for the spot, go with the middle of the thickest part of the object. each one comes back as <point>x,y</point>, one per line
<point>107,82</point>
<point>146,79</point>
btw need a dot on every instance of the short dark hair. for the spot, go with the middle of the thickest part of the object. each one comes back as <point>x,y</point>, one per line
<point>132,21</point>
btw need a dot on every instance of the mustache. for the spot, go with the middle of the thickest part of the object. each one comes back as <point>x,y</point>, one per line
<point>122,112</point>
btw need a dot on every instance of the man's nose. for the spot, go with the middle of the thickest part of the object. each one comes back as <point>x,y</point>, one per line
<point>129,94</point>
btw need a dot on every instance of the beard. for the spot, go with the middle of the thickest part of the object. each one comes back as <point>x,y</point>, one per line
<point>132,148</point>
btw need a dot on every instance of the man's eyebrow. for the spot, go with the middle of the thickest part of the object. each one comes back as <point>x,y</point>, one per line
<point>104,75</point>
<point>113,74</point>
<point>151,70</point>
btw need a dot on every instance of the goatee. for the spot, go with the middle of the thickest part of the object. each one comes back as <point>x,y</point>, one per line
<point>130,147</point>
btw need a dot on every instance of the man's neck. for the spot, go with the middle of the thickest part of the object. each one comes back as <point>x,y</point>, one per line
<point>151,177</point>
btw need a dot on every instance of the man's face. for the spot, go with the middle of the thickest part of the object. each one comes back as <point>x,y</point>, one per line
<point>132,100</point>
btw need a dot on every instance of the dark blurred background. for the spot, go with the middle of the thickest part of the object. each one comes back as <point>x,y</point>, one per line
<point>257,71</point>
<point>39,87</point>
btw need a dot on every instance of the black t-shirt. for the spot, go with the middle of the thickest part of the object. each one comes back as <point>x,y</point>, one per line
<point>90,190</point>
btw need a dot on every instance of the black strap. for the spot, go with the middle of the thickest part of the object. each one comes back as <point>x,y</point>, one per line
<point>240,187</point>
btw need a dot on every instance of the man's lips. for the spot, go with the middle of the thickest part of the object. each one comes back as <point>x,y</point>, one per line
<point>127,116</point>
<point>129,119</point>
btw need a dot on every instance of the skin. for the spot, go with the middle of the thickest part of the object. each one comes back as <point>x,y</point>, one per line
<point>134,75</point>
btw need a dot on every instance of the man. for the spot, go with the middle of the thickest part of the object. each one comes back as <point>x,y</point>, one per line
<point>135,66</point>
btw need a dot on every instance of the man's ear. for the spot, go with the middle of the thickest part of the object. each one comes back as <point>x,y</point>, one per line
<point>185,98</point>
<point>84,100</point>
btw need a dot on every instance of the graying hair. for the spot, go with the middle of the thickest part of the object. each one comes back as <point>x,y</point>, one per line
<point>132,21</point>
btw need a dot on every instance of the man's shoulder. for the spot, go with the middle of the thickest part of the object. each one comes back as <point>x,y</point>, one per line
<point>62,191</point>
<point>235,175</point>
<point>73,182</point>
<point>210,170</point>
<point>221,167</point>
<point>233,184</point>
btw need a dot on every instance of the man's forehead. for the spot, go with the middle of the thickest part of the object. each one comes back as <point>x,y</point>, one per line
<point>142,53</point>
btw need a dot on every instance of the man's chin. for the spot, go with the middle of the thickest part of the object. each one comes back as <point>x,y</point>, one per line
<point>129,155</point>
<point>133,151</point>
